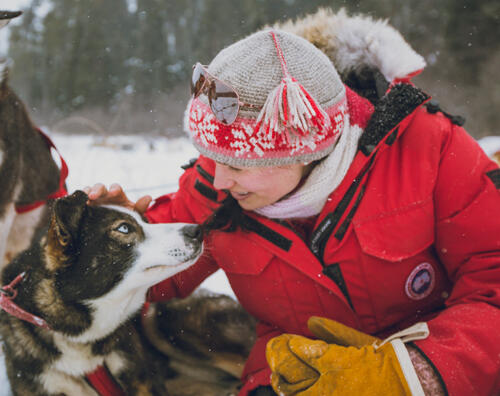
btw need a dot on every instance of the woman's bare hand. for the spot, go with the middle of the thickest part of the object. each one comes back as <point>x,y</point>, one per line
<point>99,195</point>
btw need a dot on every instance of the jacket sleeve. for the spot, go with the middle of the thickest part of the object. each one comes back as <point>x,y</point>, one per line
<point>257,372</point>
<point>464,341</point>
<point>194,202</point>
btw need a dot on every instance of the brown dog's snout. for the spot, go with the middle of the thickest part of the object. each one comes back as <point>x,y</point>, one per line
<point>192,233</point>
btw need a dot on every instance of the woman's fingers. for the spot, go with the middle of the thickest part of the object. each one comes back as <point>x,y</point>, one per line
<point>142,204</point>
<point>119,197</point>
<point>96,191</point>
<point>100,195</point>
<point>115,190</point>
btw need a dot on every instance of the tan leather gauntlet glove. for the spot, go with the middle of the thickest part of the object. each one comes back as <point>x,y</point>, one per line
<point>348,363</point>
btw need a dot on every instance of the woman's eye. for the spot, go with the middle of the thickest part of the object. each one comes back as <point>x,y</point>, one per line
<point>123,228</point>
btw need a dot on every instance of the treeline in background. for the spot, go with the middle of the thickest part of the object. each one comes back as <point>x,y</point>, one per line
<point>123,66</point>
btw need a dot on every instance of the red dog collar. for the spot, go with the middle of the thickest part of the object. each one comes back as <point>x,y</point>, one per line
<point>103,382</point>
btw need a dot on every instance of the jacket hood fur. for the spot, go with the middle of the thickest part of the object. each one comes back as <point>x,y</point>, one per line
<point>356,43</point>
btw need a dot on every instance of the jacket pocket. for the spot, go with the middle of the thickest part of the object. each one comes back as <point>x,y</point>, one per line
<point>239,255</point>
<point>397,235</point>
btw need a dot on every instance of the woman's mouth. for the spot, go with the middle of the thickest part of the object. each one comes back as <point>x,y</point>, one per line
<point>240,195</point>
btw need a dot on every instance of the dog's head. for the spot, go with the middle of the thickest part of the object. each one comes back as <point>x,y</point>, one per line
<point>105,252</point>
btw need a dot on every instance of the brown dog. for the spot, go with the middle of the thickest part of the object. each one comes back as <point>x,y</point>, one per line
<point>28,173</point>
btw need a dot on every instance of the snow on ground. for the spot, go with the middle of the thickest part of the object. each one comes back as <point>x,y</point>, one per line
<point>4,382</point>
<point>490,144</point>
<point>142,165</point>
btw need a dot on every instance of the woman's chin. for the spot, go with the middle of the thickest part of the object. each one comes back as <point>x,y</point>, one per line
<point>246,206</point>
<point>250,203</point>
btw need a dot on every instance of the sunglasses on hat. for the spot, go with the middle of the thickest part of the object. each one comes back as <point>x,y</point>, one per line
<point>222,98</point>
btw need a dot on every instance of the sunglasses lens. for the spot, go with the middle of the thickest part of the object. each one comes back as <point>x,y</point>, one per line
<point>222,98</point>
<point>197,80</point>
<point>223,102</point>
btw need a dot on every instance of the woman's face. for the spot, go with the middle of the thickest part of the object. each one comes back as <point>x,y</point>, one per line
<point>257,187</point>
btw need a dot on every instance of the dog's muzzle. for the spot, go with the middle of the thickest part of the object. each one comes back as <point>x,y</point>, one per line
<point>193,237</point>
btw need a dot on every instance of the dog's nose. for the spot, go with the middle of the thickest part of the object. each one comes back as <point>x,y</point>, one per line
<point>192,231</point>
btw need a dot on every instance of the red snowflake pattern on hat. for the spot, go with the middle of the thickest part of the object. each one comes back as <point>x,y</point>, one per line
<point>245,140</point>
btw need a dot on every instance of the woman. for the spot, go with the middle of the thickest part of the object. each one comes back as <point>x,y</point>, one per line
<point>341,206</point>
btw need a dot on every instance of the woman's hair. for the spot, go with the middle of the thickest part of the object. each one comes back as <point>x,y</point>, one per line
<point>228,218</point>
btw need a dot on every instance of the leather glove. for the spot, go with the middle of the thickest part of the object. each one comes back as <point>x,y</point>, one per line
<point>348,363</point>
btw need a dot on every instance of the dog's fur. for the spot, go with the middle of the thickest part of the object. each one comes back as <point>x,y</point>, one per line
<point>86,277</point>
<point>206,337</point>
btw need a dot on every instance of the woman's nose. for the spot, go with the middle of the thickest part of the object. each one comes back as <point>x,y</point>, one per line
<point>222,178</point>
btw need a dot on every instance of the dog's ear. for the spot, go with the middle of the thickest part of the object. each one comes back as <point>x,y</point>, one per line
<point>64,227</point>
<point>67,213</point>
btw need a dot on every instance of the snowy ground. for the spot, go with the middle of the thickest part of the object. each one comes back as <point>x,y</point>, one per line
<point>142,165</point>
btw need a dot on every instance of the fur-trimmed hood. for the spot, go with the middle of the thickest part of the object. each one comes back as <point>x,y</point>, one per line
<point>361,48</point>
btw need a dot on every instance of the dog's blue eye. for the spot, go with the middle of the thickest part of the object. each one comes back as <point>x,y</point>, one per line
<point>124,229</point>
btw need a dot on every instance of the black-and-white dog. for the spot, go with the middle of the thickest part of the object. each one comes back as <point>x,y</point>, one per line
<point>81,284</point>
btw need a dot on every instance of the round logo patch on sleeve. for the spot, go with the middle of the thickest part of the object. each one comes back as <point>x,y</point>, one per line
<point>420,282</point>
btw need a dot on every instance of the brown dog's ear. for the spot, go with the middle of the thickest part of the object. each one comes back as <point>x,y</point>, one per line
<point>67,214</point>
<point>64,228</point>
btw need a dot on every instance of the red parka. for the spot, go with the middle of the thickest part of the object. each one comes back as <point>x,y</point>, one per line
<point>411,234</point>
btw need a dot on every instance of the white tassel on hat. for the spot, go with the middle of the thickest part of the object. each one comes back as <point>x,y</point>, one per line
<point>289,107</point>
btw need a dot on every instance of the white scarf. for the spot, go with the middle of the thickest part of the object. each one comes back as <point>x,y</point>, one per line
<point>325,177</point>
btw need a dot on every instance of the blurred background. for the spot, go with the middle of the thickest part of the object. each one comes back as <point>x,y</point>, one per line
<point>123,66</point>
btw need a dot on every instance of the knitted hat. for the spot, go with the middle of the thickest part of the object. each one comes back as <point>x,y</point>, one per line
<point>298,103</point>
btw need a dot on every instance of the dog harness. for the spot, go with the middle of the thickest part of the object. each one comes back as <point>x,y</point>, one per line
<point>61,191</point>
<point>103,382</point>
<point>8,293</point>
<point>101,379</point>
